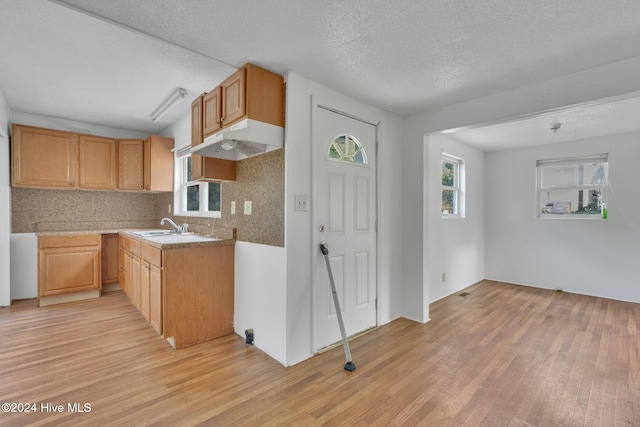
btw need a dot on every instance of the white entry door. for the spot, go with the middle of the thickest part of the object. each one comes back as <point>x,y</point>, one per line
<point>344,203</point>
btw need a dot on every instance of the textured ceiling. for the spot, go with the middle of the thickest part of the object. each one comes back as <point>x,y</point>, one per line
<point>113,62</point>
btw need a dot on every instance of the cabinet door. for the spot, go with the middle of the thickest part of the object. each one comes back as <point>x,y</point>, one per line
<point>233,98</point>
<point>131,164</point>
<point>155,297</point>
<point>68,269</point>
<point>135,281</point>
<point>158,163</point>
<point>110,259</point>
<point>127,274</point>
<point>43,157</point>
<point>211,112</point>
<point>144,288</point>
<point>196,121</point>
<point>121,273</point>
<point>212,169</point>
<point>98,163</point>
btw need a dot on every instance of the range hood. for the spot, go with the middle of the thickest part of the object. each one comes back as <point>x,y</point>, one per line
<point>244,139</point>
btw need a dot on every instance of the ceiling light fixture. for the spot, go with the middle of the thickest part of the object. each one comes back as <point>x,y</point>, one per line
<point>168,104</point>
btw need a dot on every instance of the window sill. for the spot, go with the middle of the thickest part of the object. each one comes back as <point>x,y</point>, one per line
<point>569,216</point>
<point>199,214</point>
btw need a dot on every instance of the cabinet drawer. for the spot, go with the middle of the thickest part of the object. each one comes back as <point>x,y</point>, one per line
<point>69,241</point>
<point>132,246</point>
<point>151,255</point>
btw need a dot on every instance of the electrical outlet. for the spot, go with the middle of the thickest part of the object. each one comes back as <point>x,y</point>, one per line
<point>247,207</point>
<point>233,207</point>
<point>301,202</point>
<point>444,277</point>
<point>169,208</point>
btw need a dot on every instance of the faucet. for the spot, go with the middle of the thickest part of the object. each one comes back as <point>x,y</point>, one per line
<point>181,229</point>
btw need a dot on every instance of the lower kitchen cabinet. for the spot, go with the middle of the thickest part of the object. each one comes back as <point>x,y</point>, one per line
<point>142,279</point>
<point>185,293</point>
<point>69,267</point>
<point>144,289</point>
<point>155,297</point>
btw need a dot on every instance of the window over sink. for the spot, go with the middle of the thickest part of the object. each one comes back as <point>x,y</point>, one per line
<point>194,198</point>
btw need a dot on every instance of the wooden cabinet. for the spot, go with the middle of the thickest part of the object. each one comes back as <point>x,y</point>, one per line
<point>43,158</point>
<point>212,112</point>
<point>251,92</point>
<point>234,105</point>
<point>131,164</point>
<point>211,169</point>
<point>98,163</point>
<point>158,163</point>
<point>110,259</point>
<point>68,264</point>
<point>142,279</point>
<point>146,165</point>
<point>144,288</point>
<point>196,120</point>
<point>155,297</point>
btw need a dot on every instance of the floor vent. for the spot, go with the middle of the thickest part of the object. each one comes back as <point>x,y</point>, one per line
<point>463,294</point>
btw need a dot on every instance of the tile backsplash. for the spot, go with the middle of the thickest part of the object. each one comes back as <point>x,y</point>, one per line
<point>260,180</point>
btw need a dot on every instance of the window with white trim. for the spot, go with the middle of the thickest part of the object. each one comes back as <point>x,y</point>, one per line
<point>452,194</point>
<point>194,198</point>
<point>572,187</point>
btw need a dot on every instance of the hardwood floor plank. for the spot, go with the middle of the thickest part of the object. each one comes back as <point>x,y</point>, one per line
<point>504,355</point>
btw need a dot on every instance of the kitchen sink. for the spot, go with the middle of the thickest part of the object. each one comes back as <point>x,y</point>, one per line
<point>153,233</point>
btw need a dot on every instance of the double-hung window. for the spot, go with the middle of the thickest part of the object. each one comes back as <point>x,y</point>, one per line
<point>452,194</point>
<point>194,198</point>
<point>572,187</point>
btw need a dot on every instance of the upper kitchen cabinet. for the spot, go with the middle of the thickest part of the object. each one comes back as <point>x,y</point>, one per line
<point>196,120</point>
<point>233,93</point>
<point>212,112</point>
<point>98,162</point>
<point>249,93</point>
<point>210,169</point>
<point>158,163</point>
<point>131,153</point>
<point>146,165</point>
<point>43,157</point>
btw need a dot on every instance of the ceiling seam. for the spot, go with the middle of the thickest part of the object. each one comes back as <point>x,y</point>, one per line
<point>135,30</point>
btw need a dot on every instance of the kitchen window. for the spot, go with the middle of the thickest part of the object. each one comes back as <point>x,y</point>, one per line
<point>194,198</point>
<point>452,187</point>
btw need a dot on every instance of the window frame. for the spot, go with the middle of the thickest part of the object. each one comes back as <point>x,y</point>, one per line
<point>571,161</point>
<point>181,185</point>
<point>456,188</point>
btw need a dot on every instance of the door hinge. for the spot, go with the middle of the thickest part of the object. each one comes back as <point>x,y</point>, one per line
<point>376,304</point>
<point>376,225</point>
<point>376,148</point>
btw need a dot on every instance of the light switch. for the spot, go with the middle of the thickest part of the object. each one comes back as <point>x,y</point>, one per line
<point>247,207</point>
<point>233,207</point>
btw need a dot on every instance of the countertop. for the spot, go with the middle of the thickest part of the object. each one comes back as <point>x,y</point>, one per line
<point>164,242</point>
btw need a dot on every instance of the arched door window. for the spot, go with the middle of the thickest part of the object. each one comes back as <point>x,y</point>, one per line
<point>347,148</point>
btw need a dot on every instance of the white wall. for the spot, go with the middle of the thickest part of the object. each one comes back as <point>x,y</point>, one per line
<point>5,205</point>
<point>72,126</point>
<point>586,256</point>
<point>301,249</point>
<point>456,245</point>
<point>606,81</point>
<point>260,296</point>
<point>24,266</point>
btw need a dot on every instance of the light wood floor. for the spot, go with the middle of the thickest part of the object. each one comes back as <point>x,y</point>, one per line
<point>503,356</point>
